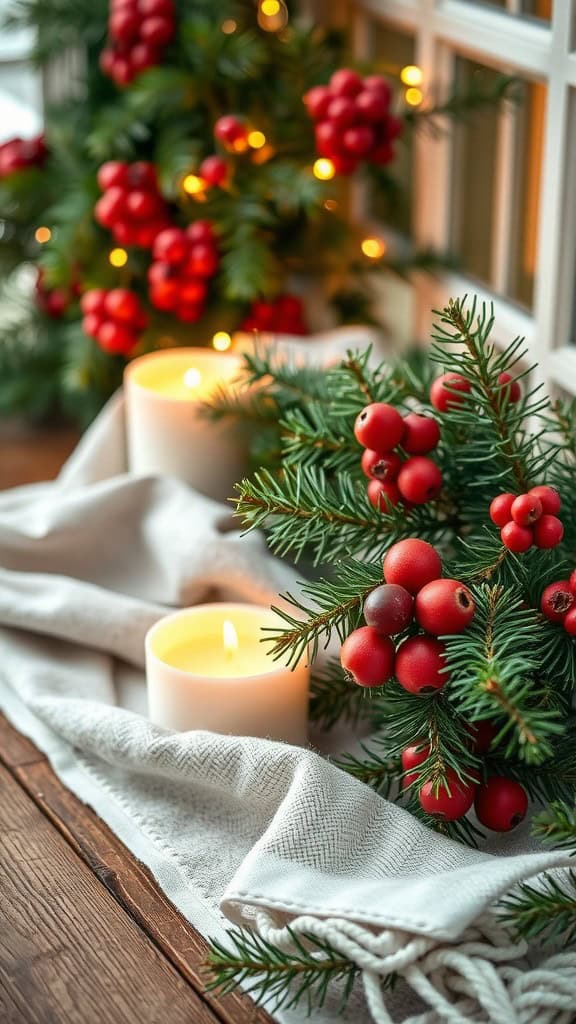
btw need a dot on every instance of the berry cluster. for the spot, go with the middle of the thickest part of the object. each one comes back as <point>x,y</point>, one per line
<point>52,301</point>
<point>138,31</point>
<point>413,591</point>
<point>558,603</point>
<point>285,315</point>
<point>113,318</point>
<point>131,206</point>
<point>528,519</point>
<point>353,120</point>
<point>184,262</point>
<point>17,154</point>
<point>448,390</point>
<point>415,480</point>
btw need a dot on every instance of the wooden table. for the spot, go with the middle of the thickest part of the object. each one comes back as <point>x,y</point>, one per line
<point>86,935</point>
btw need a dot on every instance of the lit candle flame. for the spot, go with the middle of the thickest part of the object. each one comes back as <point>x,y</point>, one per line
<point>192,378</point>
<point>229,638</point>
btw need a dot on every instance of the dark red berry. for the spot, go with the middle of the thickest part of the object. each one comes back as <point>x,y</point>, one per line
<point>388,609</point>
<point>548,532</point>
<point>171,246</point>
<point>421,434</point>
<point>448,391</point>
<point>419,480</point>
<point>111,174</point>
<point>121,304</point>
<point>358,140</point>
<point>548,497</point>
<point>509,387</point>
<point>116,338</point>
<point>500,804</point>
<point>371,106</point>
<point>516,538</point>
<point>214,170</point>
<point>420,665</point>
<point>444,606</point>
<point>450,801</point>
<point>572,582</point>
<point>557,600</point>
<point>201,231</point>
<point>570,622</point>
<point>341,112</point>
<point>379,426</point>
<point>526,509</point>
<point>501,509</point>
<point>413,757</point>
<point>412,563</point>
<point>382,494</point>
<point>156,30</point>
<point>327,135</point>
<point>368,657</point>
<point>481,734</point>
<point>317,101</point>
<point>229,129</point>
<point>380,467</point>
<point>345,82</point>
<point>93,301</point>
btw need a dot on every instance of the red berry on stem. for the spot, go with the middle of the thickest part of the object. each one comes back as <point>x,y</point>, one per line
<point>157,8</point>
<point>143,56</point>
<point>500,804</point>
<point>202,261</point>
<point>110,207</point>
<point>375,83</point>
<point>341,112</point>
<point>448,391</point>
<point>419,480</point>
<point>380,467</point>
<point>548,532</point>
<point>510,388</point>
<point>572,582</point>
<point>382,494</point>
<point>557,600</point>
<point>371,106</point>
<point>412,563</point>
<point>368,657</point>
<point>214,170</point>
<point>142,205</point>
<point>116,338</point>
<point>358,140</point>
<point>123,26</point>
<point>171,246</point>
<point>229,129</point>
<point>501,509</point>
<point>93,301</point>
<point>317,101</point>
<point>449,802</point>
<point>388,609</point>
<point>481,733</point>
<point>189,314</point>
<point>156,31</point>
<point>192,291</point>
<point>91,324</point>
<point>444,606</point>
<point>570,622</point>
<point>142,174</point>
<point>121,304</point>
<point>344,164</point>
<point>413,757</point>
<point>526,509</point>
<point>201,231</point>
<point>548,497</point>
<point>516,538</point>
<point>345,82</point>
<point>379,426</point>
<point>420,665</point>
<point>112,173</point>
<point>327,135</point>
<point>121,72</point>
<point>421,434</point>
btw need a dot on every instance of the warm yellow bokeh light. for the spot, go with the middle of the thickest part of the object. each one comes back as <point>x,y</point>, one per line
<point>374,248</point>
<point>221,341</point>
<point>240,145</point>
<point>330,204</point>
<point>411,75</point>
<point>192,378</point>
<point>42,235</point>
<point>192,184</point>
<point>228,26</point>
<point>256,139</point>
<point>414,97</point>
<point>270,7</point>
<point>118,257</point>
<point>323,169</point>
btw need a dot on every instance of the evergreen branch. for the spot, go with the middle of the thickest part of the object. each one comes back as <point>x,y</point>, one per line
<point>272,975</point>
<point>333,698</point>
<point>312,436</point>
<point>546,912</point>
<point>557,824</point>
<point>377,770</point>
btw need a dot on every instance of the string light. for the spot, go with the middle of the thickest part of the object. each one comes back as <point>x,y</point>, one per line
<point>228,26</point>
<point>118,257</point>
<point>193,185</point>
<point>256,139</point>
<point>323,169</point>
<point>330,204</point>
<point>414,97</point>
<point>42,235</point>
<point>221,341</point>
<point>270,7</point>
<point>411,75</point>
<point>272,15</point>
<point>374,248</point>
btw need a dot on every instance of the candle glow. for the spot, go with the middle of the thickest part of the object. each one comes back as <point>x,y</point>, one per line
<point>192,378</point>
<point>229,638</point>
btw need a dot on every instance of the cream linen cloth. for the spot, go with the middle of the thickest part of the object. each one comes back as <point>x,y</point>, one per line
<point>237,829</point>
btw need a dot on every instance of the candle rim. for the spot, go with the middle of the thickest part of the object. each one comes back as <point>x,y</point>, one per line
<point>130,375</point>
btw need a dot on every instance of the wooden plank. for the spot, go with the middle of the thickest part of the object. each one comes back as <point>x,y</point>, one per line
<point>29,454</point>
<point>130,882</point>
<point>68,953</point>
<point>16,749</point>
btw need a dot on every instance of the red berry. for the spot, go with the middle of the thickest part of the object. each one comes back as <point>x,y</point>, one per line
<point>106,61</point>
<point>56,302</point>
<point>500,804</point>
<point>420,665</point>
<point>156,31</point>
<point>189,314</point>
<point>413,757</point>
<point>375,83</point>
<point>123,26</point>
<point>345,82</point>
<point>192,291</point>
<point>121,304</point>
<point>548,532</point>
<point>202,261</point>
<point>214,170</point>
<point>570,622</point>
<point>344,164</point>
<point>171,246</point>
<point>557,600</point>
<point>143,56</point>
<point>201,231</point>
<point>511,389</point>
<point>421,434</point>
<point>388,609</point>
<point>112,173</point>
<point>419,480</point>
<point>444,606</point>
<point>481,733</point>
<point>317,101</point>
<point>164,294</point>
<point>358,140</point>
<point>121,72</point>
<point>229,129</point>
<point>382,494</point>
<point>412,563</point>
<point>142,174</point>
<point>549,499</point>
<point>449,802</point>
<point>448,391</point>
<point>516,538</point>
<point>125,233</point>
<point>141,205</point>
<point>379,426</point>
<point>526,509</point>
<point>371,106</point>
<point>158,8</point>
<point>380,467</point>
<point>572,582</point>
<point>327,135</point>
<point>91,324</point>
<point>116,339</point>
<point>93,301</point>
<point>341,112</point>
<point>368,657</point>
<point>501,509</point>
<point>110,207</point>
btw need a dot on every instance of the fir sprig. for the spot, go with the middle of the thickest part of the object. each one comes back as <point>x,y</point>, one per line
<point>334,699</point>
<point>557,824</point>
<point>546,911</point>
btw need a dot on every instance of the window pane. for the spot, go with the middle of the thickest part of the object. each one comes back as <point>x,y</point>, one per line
<point>540,9</point>
<point>529,125</point>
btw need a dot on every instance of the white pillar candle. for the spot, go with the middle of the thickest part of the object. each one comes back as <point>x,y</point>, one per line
<point>207,668</point>
<point>166,433</point>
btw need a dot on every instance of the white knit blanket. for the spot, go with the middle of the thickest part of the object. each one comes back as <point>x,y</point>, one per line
<point>240,830</point>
